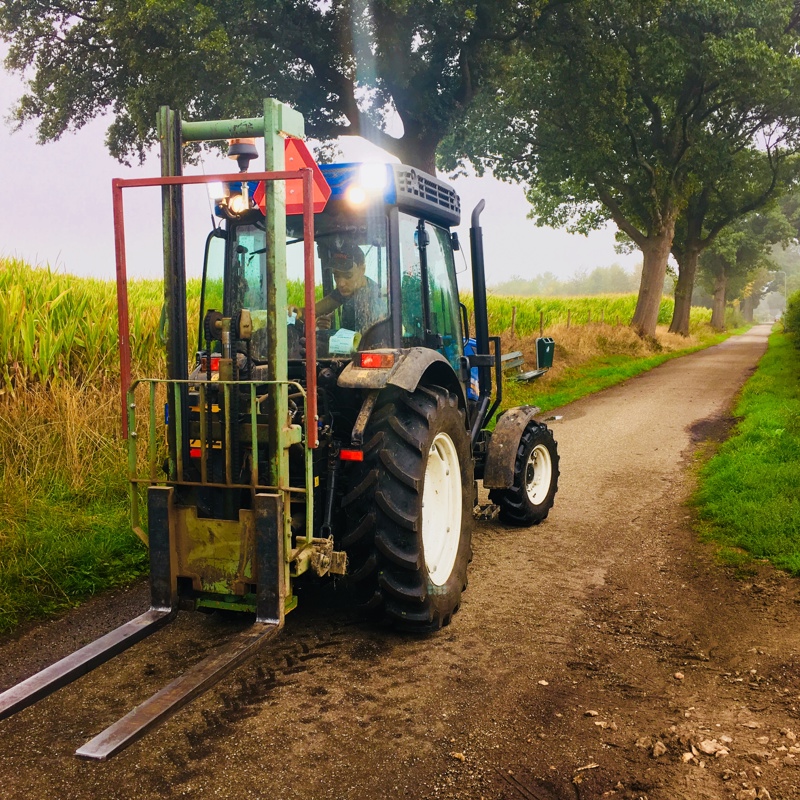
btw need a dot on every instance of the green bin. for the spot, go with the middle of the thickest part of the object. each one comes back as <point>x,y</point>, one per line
<point>544,352</point>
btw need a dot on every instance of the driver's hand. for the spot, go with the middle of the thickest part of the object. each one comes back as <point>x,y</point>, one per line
<point>299,310</point>
<point>324,322</point>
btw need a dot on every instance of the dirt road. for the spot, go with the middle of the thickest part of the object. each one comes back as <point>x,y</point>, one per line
<point>598,655</point>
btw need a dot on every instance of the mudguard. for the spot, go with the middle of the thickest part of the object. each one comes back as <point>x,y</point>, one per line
<point>409,367</point>
<point>499,470</point>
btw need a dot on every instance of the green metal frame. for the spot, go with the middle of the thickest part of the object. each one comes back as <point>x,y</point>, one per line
<point>278,121</point>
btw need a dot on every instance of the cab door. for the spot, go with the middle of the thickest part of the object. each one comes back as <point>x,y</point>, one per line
<point>428,287</point>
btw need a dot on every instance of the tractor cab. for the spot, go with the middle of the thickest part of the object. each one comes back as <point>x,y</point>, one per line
<point>384,272</point>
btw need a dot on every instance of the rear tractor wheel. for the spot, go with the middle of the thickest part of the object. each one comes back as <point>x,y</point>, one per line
<point>410,511</point>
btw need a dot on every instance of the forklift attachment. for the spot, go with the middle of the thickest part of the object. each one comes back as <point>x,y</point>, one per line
<point>81,661</point>
<point>177,694</point>
<point>270,615</point>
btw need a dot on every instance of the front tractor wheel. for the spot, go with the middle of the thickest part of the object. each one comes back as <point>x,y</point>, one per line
<point>409,511</point>
<point>529,500</point>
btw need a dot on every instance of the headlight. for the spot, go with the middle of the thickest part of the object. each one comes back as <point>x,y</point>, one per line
<point>372,176</point>
<point>238,204</point>
<point>355,195</point>
<point>370,183</point>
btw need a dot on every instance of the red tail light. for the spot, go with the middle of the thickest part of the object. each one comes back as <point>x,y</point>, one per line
<point>377,360</point>
<point>351,455</point>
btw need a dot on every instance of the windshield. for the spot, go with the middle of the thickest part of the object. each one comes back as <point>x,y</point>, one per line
<point>351,279</point>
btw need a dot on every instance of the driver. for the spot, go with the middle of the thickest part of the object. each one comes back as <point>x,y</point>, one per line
<point>356,295</point>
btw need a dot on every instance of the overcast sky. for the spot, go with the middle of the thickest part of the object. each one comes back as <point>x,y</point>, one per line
<point>57,210</point>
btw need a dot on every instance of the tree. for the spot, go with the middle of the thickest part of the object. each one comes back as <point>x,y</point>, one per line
<point>737,263</point>
<point>608,114</point>
<point>345,64</point>
<point>729,187</point>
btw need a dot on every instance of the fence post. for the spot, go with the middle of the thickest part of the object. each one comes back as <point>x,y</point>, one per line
<point>569,314</point>
<point>589,317</point>
<point>513,319</point>
<point>541,323</point>
<point>603,316</point>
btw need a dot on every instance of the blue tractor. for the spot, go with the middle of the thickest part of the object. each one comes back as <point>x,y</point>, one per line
<point>334,418</point>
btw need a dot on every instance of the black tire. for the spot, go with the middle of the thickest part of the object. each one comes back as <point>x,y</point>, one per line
<point>393,577</point>
<point>529,500</point>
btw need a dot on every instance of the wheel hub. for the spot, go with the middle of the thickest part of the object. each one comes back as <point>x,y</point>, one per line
<point>538,474</point>
<point>441,509</point>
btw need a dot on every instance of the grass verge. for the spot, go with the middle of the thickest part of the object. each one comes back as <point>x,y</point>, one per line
<point>65,533</point>
<point>64,553</point>
<point>748,498</point>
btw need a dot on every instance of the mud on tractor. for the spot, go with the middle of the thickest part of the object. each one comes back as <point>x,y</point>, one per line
<point>333,421</point>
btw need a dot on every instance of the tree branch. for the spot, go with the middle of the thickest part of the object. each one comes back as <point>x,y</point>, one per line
<point>616,213</point>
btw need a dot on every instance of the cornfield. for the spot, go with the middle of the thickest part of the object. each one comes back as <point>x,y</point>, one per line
<point>609,308</point>
<point>57,328</point>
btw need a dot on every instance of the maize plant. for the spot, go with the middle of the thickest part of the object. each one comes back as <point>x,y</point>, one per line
<point>59,328</point>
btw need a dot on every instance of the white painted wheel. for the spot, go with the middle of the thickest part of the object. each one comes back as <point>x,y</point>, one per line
<point>538,474</point>
<point>442,505</point>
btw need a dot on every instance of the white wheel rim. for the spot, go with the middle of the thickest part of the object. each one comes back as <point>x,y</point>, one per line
<point>538,474</point>
<point>441,509</point>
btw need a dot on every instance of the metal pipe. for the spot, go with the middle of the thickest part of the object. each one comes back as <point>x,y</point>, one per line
<point>249,127</point>
<point>122,302</point>
<point>479,298</point>
<point>312,439</point>
<point>189,180</point>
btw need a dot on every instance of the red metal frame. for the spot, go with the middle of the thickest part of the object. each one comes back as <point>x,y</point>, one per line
<point>307,177</point>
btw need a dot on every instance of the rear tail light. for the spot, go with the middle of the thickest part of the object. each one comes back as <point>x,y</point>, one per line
<point>214,363</point>
<point>376,360</point>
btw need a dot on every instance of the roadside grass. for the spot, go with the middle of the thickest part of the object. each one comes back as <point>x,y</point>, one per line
<point>65,532</point>
<point>66,551</point>
<point>748,498</point>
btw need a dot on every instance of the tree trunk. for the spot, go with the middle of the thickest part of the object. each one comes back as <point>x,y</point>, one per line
<point>687,270</point>
<point>655,252</point>
<point>417,152</point>
<point>718,307</point>
<point>748,307</point>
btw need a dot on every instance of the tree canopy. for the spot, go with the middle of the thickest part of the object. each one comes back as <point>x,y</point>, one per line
<point>619,105</point>
<point>345,64</point>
